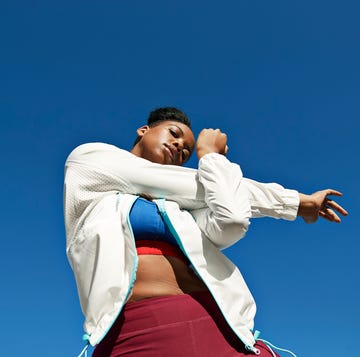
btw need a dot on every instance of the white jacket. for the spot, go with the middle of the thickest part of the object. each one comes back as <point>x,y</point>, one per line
<point>101,247</point>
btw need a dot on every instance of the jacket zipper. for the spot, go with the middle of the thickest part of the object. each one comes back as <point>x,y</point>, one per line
<point>161,205</point>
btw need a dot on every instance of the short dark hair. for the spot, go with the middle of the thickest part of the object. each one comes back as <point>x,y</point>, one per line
<point>167,113</point>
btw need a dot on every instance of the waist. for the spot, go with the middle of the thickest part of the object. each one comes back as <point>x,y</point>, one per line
<point>160,275</point>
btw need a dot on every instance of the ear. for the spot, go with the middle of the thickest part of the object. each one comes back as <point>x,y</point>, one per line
<point>142,130</point>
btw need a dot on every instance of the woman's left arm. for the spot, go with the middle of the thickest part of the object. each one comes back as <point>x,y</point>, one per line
<point>232,200</point>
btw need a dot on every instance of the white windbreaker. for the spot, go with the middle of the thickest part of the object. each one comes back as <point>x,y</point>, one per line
<point>206,209</point>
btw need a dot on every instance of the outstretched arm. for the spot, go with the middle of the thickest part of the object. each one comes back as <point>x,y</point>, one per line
<point>96,169</point>
<point>310,207</point>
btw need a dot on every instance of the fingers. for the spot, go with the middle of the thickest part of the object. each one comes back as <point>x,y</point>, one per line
<point>211,140</point>
<point>336,206</point>
<point>329,215</point>
<point>330,209</point>
<point>331,192</point>
<point>324,207</point>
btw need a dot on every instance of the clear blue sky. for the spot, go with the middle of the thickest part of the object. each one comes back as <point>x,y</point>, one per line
<point>281,78</point>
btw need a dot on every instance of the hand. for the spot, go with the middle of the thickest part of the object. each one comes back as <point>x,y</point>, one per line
<point>319,205</point>
<point>211,140</point>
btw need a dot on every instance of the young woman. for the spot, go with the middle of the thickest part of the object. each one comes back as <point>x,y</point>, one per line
<point>144,237</point>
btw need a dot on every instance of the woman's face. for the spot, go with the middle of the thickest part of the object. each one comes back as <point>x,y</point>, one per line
<point>169,143</point>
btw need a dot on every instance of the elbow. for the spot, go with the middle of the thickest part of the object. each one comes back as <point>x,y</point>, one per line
<point>235,224</point>
<point>236,229</point>
<point>232,232</point>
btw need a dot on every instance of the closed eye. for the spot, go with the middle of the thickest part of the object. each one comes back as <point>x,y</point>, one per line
<point>174,133</point>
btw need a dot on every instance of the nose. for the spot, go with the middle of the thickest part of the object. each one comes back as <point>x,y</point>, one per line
<point>179,144</point>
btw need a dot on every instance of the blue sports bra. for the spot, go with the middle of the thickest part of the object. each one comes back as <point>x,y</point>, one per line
<point>147,223</point>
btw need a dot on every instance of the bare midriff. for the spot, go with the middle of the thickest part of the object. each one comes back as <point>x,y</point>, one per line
<point>160,275</point>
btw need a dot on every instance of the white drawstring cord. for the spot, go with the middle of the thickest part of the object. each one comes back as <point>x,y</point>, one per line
<point>84,351</point>
<point>268,344</point>
<point>86,338</point>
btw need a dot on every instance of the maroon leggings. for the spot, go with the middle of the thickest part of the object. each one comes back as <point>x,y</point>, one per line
<point>189,325</point>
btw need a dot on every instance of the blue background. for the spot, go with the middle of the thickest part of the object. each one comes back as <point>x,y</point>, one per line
<point>281,78</point>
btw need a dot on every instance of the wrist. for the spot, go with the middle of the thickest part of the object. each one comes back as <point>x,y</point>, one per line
<point>203,150</point>
<point>307,208</point>
<point>201,153</point>
<point>305,204</point>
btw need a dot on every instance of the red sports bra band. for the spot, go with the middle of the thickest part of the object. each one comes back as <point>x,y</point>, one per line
<point>152,247</point>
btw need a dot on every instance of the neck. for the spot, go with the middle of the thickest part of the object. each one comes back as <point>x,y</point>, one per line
<point>136,150</point>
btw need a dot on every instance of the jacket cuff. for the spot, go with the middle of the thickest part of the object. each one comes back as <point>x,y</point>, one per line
<point>291,201</point>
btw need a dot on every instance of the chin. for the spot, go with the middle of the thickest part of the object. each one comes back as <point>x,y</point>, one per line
<point>158,159</point>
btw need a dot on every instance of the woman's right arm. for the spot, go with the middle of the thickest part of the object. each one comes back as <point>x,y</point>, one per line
<point>96,169</point>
